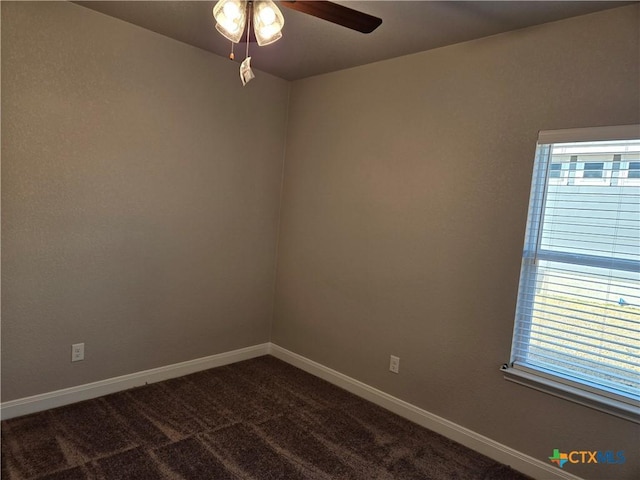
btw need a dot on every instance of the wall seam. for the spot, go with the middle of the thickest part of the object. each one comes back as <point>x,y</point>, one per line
<point>279,222</point>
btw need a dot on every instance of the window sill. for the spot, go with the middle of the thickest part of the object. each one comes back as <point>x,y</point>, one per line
<point>576,395</point>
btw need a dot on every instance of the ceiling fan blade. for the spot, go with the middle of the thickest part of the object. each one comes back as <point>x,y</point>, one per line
<point>332,12</point>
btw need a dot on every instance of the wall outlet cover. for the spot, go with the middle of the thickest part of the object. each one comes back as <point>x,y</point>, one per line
<point>394,364</point>
<point>77,352</point>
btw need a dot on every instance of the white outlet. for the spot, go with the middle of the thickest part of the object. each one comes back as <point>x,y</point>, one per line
<point>77,352</point>
<point>394,364</point>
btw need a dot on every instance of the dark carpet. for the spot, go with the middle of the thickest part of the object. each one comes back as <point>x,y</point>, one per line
<point>259,419</point>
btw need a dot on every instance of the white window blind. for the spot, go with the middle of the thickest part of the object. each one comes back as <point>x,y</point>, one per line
<point>578,311</point>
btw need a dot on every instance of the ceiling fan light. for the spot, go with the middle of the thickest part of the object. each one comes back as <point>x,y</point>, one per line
<point>231,9</point>
<point>230,16</point>
<point>234,33</point>
<point>267,15</point>
<point>267,35</point>
<point>268,22</point>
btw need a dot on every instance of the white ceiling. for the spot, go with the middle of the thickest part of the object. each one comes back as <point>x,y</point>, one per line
<point>311,46</point>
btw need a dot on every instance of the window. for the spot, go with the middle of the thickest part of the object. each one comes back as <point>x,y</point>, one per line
<point>577,327</point>
<point>593,170</point>
<point>556,170</point>
<point>561,169</point>
<point>634,170</point>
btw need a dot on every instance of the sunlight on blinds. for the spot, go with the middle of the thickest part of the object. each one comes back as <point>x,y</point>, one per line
<point>578,311</point>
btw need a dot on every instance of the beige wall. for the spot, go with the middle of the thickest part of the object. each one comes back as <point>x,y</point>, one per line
<point>140,199</point>
<point>403,216</point>
<point>138,220</point>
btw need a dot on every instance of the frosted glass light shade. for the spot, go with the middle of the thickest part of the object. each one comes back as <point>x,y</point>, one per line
<point>231,17</point>
<point>267,22</point>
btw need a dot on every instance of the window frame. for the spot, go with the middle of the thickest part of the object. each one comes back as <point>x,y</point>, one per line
<point>548,381</point>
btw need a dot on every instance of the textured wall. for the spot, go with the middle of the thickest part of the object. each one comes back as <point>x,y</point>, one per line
<point>140,198</point>
<point>138,220</point>
<point>403,217</point>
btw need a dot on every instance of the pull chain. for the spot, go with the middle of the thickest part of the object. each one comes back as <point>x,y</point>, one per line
<point>246,75</point>
<point>249,9</point>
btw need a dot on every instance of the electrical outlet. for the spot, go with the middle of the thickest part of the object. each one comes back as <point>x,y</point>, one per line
<point>77,352</point>
<point>394,364</point>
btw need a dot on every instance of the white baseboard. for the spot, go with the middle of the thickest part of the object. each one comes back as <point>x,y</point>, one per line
<point>528,465</point>
<point>58,398</point>
<point>519,461</point>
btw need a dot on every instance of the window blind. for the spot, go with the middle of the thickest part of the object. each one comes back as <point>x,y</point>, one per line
<point>578,309</point>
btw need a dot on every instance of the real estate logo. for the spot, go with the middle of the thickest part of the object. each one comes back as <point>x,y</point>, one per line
<point>558,458</point>
<point>587,456</point>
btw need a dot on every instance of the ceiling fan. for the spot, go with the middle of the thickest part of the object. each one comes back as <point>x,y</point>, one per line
<point>234,20</point>
<point>335,13</point>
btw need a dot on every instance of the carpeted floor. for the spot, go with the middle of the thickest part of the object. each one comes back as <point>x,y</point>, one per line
<point>258,419</point>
